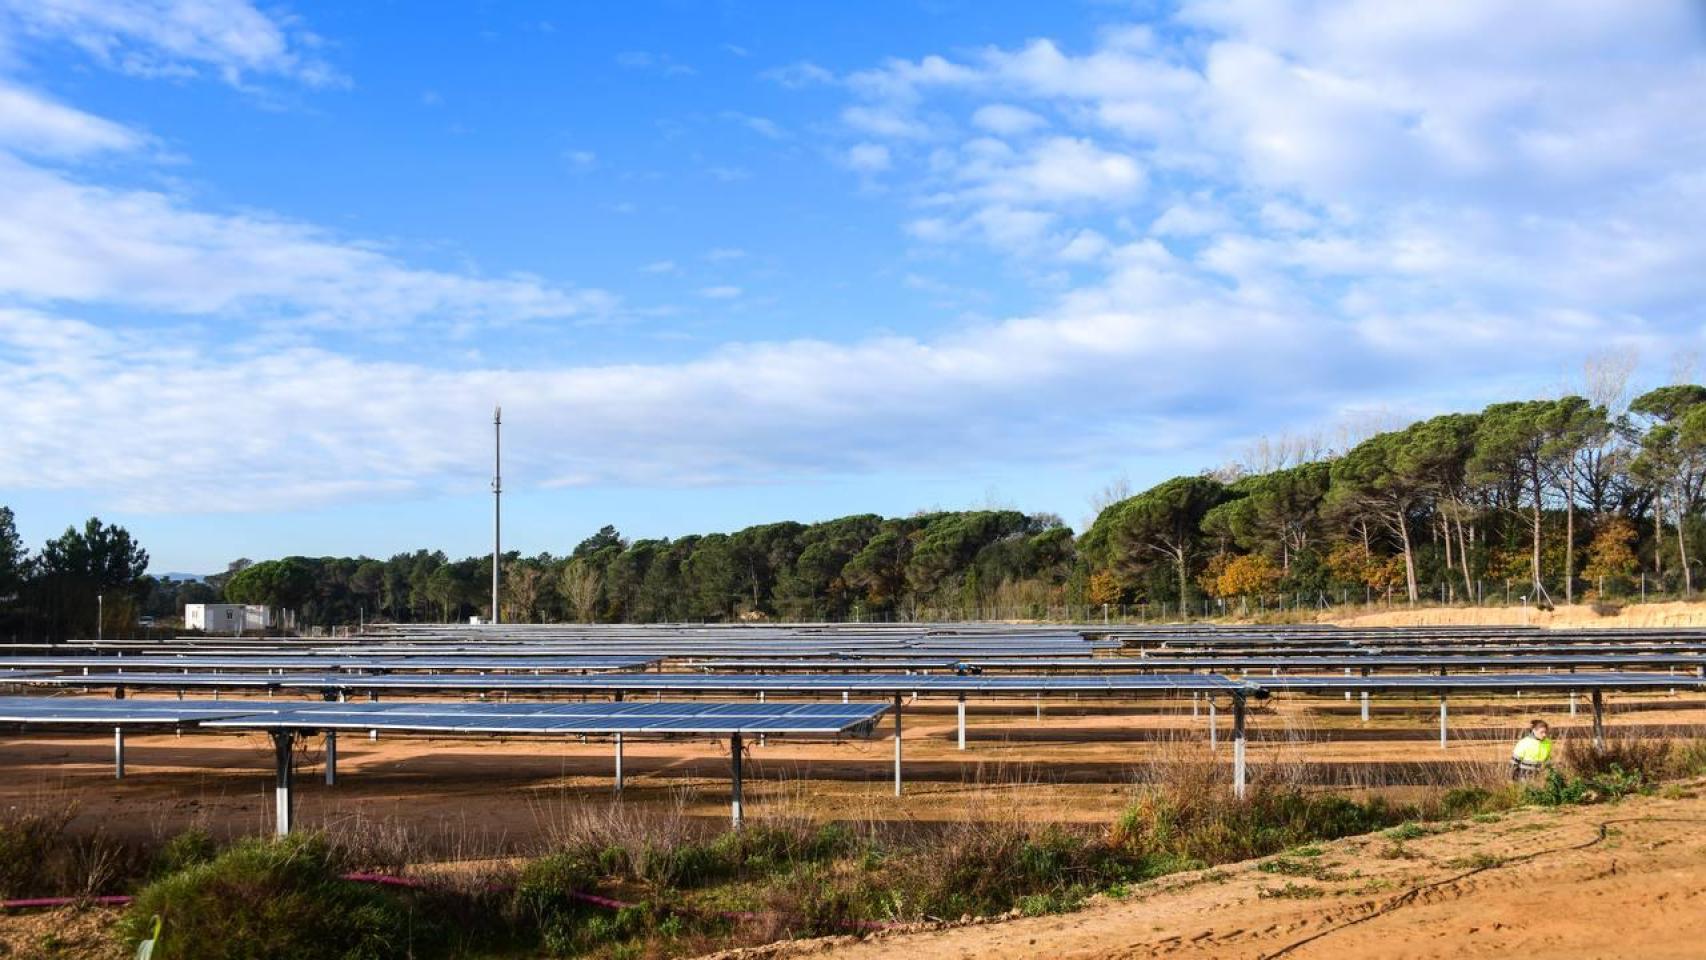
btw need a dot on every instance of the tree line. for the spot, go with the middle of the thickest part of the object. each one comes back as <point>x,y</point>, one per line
<point>1558,498</point>
<point>1561,499</point>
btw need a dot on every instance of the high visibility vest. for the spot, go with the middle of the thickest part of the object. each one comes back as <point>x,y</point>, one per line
<point>1532,750</point>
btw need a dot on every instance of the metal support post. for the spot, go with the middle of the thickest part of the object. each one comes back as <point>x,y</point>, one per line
<point>1238,772</point>
<point>619,783</point>
<point>897,751</point>
<point>734,766</point>
<point>284,748</point>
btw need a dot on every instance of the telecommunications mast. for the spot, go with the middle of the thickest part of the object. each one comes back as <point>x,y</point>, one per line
<point>497,505</point>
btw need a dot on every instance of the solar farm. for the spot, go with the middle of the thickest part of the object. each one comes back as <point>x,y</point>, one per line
<point>483,742</point>
<point>896,719</point>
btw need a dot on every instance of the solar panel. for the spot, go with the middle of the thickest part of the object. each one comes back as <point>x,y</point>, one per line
<point>605,718</point>
<point>329,662</point>
<point>891,683</point>
<point>116,713</point>
<point>1486,682</point>
<point>1377,661</point>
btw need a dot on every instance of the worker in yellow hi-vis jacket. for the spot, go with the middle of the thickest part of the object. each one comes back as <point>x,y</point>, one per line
<point>1533,752</point>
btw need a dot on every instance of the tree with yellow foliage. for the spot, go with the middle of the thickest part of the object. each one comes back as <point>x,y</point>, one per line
<point>1249,575</point>
<point>1612,551</point>
<point>1104,587</point>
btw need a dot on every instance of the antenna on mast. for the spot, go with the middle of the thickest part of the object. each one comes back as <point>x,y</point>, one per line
<point>497,506</point>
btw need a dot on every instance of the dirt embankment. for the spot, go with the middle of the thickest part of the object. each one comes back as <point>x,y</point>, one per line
<point>1627,880</point>
<point>1634,615</point>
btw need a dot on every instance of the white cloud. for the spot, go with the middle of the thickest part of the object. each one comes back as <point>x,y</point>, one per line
<point>387,428</point>
<point>1191,218</point>
<point>802,73</point>
<point>868,157</point>
<point>177,37</point>
<point>1060,169</point>
<point>32,123</point>
<point>763,126</point>
<point>659,266</point>
<point>1358,200</point>
<point>661,62</point>
<point>66,241</point>
<point>884,122</point>
<point>1085,246</point>
<point>721,254</point>
<point>581,159</point>
<point>1006,119</point>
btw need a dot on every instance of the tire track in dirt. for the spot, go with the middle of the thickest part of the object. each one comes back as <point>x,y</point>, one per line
<point>1587,881</point>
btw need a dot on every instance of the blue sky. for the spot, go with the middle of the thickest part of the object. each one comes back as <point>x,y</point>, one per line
<point>265,270</point>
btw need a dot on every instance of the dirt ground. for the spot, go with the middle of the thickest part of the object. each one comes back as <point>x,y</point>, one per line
<point>1677,614</point>
<point>1624,880</point>
<point>1075,764</point>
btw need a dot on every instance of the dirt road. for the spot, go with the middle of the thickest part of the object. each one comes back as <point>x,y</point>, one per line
<point>1625,880</point>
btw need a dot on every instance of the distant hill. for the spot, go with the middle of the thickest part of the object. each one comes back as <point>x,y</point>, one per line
<point>196,577</point>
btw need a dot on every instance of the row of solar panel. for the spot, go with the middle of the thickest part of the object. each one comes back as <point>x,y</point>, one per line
<point>867,684</point>
<point>674,718</point>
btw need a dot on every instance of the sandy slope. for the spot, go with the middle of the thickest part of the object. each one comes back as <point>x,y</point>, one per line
<point>1676,614</point>
<point>1534,884</point>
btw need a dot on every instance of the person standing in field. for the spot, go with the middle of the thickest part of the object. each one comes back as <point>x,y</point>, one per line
<point>1533,752</point>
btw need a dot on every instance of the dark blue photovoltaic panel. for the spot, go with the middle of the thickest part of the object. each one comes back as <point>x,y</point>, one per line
<point>888,684</point>
<point>1515,661</point>
<point>116,713</point>
<point>850,664</point>
<point>661,718</point>
<point>1488,682</point>
<point>326,662</point>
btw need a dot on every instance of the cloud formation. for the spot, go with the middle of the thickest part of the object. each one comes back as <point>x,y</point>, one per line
<point>177,38</point>
<point>1252,214</point>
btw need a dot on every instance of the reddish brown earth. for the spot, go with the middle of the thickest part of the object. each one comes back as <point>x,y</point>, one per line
<point>473,798</point>
<point>1075,764</point>
<point>1624,880</point>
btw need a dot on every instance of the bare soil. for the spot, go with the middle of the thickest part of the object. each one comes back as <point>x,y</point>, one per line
<point>1076,763</point>
<point>1624,880</point>
<point>472,799</point>
<point>1674,614</point>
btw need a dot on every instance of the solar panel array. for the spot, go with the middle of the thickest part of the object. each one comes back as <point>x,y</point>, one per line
<point>698,683</point>
<point>117,713</point>
<point>272,661</point>
<point>573,718</point>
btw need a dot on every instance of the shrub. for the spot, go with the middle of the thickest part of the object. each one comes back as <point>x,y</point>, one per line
<point>1647,760</point>
<point>1609,785</point>
<point>185,850</point>
<point>278,899</point>
<point>1688,758</point>
<point>27,842</point>
<point>1212,827</point>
